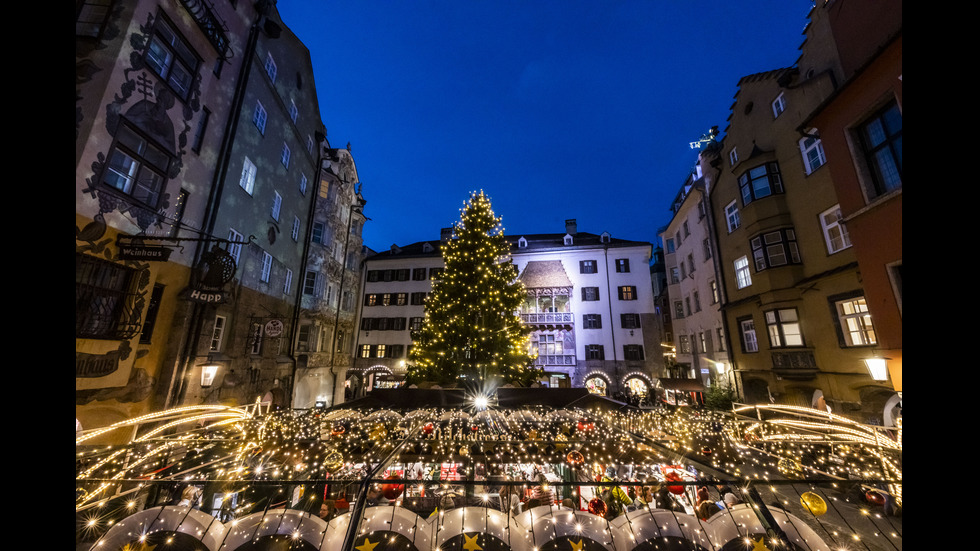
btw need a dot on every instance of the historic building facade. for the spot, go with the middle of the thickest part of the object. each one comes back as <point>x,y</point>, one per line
<point>153,80</point>
<point>796,307</point>
<point>589,304</point>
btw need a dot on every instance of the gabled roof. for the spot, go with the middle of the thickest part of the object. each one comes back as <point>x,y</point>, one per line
<point>535,242</point>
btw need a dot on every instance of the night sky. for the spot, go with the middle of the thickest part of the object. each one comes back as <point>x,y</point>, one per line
<point>556,109</point>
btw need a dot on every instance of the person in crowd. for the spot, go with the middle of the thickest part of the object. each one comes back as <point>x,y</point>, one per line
<point>568,504</point>
<point>510,501</point>
<point>706,507</point>
<point>614,496</point>
<point>375,496</point>
<point>731,500</point>
<point>328,509</point>
<point>645,498</point>
<point>542,493</point>
<point>666,501</point>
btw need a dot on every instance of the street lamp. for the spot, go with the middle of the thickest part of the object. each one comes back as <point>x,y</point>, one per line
<point>877,367</point>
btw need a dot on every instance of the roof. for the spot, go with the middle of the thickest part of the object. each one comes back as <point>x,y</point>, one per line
<point>535,242</point>
<point>545,273</point>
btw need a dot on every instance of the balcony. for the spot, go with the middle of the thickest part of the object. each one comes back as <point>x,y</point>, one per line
<point>796,365</point>
<point>555,359</point>
<point>551,319</point>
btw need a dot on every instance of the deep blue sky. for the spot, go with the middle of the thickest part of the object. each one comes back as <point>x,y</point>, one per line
<point>555,108</point>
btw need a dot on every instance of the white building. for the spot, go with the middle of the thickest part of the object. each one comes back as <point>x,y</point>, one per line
<point>589,303</point>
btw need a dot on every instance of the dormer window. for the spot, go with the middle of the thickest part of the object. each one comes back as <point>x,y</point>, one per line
<point>568,239</point>
<point>426,248</point>
<point>605,237</point>
<point>522,243</point>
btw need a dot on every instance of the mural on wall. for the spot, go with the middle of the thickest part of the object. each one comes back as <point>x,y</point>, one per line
<point>85,68</point>
<point>150,115</point>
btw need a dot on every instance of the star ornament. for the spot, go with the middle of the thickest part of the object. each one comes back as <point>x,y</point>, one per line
<point>471,544</point>
<point>367,545</point>
<point>576,546</point>
<point>760,545</point>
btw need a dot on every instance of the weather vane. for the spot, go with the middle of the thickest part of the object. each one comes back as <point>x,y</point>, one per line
<point>705,138</point>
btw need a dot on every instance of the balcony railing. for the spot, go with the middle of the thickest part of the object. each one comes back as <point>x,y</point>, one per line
<point>794,364</point>
<point>555,359</point>
<point>549,318</point>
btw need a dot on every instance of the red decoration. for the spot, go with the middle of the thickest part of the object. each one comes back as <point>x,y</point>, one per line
<point>674,477</point>
<point>875,497</point>
<point>428,428</point>
<point>598,507</point>
<point>705,451</point>
<point>575,458</point>
<point>391,490</point>
<point>585,424</point>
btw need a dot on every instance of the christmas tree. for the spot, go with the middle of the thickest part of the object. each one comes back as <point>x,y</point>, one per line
<point>472,335</point>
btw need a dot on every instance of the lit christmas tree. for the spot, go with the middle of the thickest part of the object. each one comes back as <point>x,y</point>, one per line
<point>472,334</point>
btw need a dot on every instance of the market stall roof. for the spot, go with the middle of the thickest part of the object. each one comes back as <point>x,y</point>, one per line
<point>681,384</point>
<point>507,398</point>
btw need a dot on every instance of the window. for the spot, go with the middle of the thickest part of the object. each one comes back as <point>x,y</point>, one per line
<point>255,338</point>
<point>436,273</point>
<point>776,248</point>
<point>702,343</point>
<point>687,305</point>
<point>547,344</point>
<point>365,351</point>
<point>633,352</point>
<point>675,275</point>
<point>152,309</point>
<point>235,248</point>
<point>218,333</point>
<point>169,56</point>
<point>386,299</point>
<point>630,321</point>
<point>749,341</point>
<point>690,263</point>
<point>418,274</point>
<point>104,303</point>
<point>742,276</point>
<point>587,267</point>
<point>715,292</point>
<point>834,231</point>
<point>855,321</point>
<point>721,339</point>
<point>733,157</point>
<point>417,298</point>
<point>687,230</point>
<point>627,292</point>
<point>202,127</point>
<point>592,321</point>
<point>677,238</point>
<point>295,231</point>
<point>590,293</point>
<point>276,206</point>
<point>396,351</point>
<point>288,283</point>
<point>302,184</point>
<point>270,67</point>
<point>881,142</point>
<point>731,215</point>
<point>370,300</point>
<point>309,144</point>
<point>622,265</point>
<point>683,270</point>
<point>317,236</point>
<point>91,17</point>
<point>248,176</point>
<point>309,283</point>
<point>685,344</point>
<point>812,150</point>
<point>136,166</point>
<point>594,352</point>
<point>697,301</point>
<point>303,338</point>
<point>259,117</point>
<point>784,328</point>
<point>415,324</point>
<point>401,299</point>
<point>678,309</point>
<point>266,266</point>
<point>761,181</point>
<point>670,245</point>
<point>778,105</point>
<point>284,156</point>
<point>293,111</point>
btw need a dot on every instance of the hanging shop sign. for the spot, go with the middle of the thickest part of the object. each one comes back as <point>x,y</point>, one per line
<point>273,328</point>
<point>140,252</point>
<point>216,269</point>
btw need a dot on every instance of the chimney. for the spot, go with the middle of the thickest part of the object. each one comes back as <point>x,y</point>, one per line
<point>571,228</point>
<point>446,234</point>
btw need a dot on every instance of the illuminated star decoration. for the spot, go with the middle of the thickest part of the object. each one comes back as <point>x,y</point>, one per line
<point>576,546</point>
<point>760,545</point>
<point>471,544</point>
<point>367,545</point>
<point>138,547</point>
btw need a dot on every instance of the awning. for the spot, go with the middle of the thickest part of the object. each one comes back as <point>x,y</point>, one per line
<point>692,385</point>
